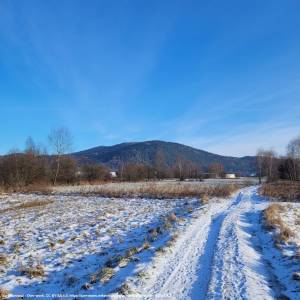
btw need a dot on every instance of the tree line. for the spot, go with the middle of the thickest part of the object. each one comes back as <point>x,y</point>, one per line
<point>181,169</point>
<point>275,167</point>
<point>34,166</point>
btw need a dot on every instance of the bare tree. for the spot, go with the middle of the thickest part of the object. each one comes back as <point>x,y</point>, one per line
<point>60,140</point>
<point>267,164</point>
<point>29,145</point>
<point>160,165</point>
<point>179,165</point>
<point>216,169</point>
<point>269,161</point>
<point>293,152</point>
<point>259,162</point>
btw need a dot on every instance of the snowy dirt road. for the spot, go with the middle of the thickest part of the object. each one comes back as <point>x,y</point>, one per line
<point>219,256</point>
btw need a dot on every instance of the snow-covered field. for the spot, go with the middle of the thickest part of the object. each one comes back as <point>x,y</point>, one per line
<point>84,246</point>
<point>72,238</point>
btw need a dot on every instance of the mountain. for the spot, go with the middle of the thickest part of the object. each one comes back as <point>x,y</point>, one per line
<point>145,152</point>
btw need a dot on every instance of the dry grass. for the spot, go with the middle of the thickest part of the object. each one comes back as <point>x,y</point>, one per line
<point>283,190</point>
<point>132,251</point>
<point>32,204</point>
<point>284,234</point>
<point>41,188</point>
<point>37,188</point>
<point>33,271</point>
<point>146,245</point>
<point>124,289</point>
<point>155,190</point>
<point>3,260</point>
<point>124,261</point>
<point>2,190</point>
<point>3,294</point>
<point>272,216</point>
<point>93,278</point>
<point>106,274</point>
<point>273,220</point>
<point>51,245</point>
<point>205,199</point>
<point>28,205</point>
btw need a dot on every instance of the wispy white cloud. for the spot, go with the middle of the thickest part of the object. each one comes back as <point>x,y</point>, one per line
<point>246,141</point>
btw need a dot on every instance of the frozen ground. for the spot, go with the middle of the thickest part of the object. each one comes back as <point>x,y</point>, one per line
<point>176,249</point>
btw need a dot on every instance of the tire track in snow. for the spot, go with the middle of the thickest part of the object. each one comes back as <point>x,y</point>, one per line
<point>174,274</point>
<point>175,280</point>
<point>238,270</point>
<point>227,278</point>
<point>206,261</point>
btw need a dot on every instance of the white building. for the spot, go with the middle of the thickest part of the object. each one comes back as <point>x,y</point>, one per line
<point>230,176</point>
<point>113,174</point>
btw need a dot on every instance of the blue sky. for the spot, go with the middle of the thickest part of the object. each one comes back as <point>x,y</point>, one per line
<point>222,76</point>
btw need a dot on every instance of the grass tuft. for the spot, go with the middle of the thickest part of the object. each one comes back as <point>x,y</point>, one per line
<point>272,216</point>
<point>272,220</point>
<point>3,260</point>
<point>33,271</point>
<point>28,205</point>
<point>106,274</point>
<point>3,294</point>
